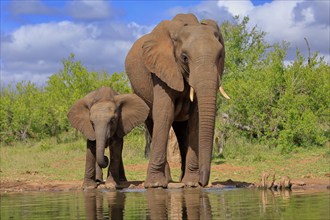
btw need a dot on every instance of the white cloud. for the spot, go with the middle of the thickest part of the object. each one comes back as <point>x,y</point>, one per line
<point>33,52</point>
<point>204,10</point>
<point>291,21</point>
<point>236,7</point>
<point>28,7</point>
<point>89,10</point>
<point>139,30</point>
<point>279,20</point>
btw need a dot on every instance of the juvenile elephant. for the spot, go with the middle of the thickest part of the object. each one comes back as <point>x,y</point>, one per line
<point>105,117</point>
<point>176,69</point>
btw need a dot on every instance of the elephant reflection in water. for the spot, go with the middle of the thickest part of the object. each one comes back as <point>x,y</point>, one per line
<point>94,204</point>
<point>161,204</point>
<point>183,204</point>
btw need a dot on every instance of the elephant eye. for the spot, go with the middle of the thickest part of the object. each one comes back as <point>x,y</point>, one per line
<point>184,58</point>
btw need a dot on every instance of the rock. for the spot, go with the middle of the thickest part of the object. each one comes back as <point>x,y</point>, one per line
<point>229,181</point>
<point>299,183</point>
<point>285,183</point>
<point>175,185</point>
<point>276,185</point>
<point>131,186</point>
<point>267,180</point>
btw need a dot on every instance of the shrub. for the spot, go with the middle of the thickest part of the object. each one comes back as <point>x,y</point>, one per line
<point>28,111</point>
<point>277,104</point>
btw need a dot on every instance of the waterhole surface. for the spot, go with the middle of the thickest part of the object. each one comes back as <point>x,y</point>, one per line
<point>157,204</point>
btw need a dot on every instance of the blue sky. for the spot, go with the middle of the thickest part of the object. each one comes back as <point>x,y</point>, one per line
<point>36,35</point>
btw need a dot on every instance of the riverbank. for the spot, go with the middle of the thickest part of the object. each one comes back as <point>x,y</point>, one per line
<point>52,166</point>
<point>7,186</point>
<point>31,182</point>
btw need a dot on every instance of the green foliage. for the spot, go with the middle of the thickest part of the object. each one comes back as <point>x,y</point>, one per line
<point>274,103</point>
<point>31,112</point>
<point>278,104</point>
<point>21,112</point>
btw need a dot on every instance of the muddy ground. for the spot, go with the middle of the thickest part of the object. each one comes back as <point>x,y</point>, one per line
<point>30,182</point>
<point>23,186</point>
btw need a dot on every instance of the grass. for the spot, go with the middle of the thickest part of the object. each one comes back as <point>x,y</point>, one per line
<point>254,159</point>
<point>242,161</point>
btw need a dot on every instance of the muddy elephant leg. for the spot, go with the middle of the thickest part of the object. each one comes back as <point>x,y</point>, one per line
<point>191,173</point>
<point>163,114</point>
<point>181,131</point>
<point>89,178</point>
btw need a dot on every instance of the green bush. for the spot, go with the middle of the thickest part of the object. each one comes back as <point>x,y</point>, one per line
<point>28,111</point>
<point>278,104</point>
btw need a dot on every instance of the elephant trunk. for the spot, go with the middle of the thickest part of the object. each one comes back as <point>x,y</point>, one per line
<point>206,96</point>
<point>101,159</point>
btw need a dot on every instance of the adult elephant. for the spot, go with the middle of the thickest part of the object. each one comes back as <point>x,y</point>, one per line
<point>105,117</point>
<point>176,69</point>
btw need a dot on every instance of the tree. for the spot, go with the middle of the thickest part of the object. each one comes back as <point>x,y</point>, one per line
<point>31,112</point>
<point>282,105</point>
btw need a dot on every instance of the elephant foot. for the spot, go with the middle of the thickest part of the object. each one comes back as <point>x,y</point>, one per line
<point>89,184</point>
<point>123,179</point>
<point>191,179</point>
<point>109,184</point>
<point>120,179</point>
<point>156,180</point>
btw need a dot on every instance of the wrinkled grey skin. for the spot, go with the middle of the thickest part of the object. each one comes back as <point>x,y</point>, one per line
<point>162,66</point>
<point>105,117</point>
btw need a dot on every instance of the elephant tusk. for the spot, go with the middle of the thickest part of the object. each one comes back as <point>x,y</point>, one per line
<point>223,93</point>
<point>191,95</point>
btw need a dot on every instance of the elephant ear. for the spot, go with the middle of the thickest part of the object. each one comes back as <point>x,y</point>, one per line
<point>78,115</point>
<point>132,110</point>
<point>214,24</point>
<point>158,54</point>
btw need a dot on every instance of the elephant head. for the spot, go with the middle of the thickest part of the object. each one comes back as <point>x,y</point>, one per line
<point>184,51</point>
<point>104,113</point>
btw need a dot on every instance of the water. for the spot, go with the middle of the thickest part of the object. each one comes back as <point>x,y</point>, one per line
<point>167,204</point>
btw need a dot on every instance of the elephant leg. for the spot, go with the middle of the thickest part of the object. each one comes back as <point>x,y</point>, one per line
<point>181,131</point>
<point>89,178</point>
<point>121,171</point>
<point>116,170</point>
<point>148,134</point>
<point>163,115</point>
<point>191,173</point>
